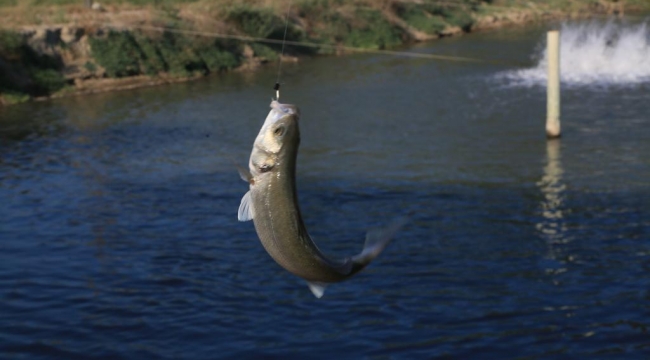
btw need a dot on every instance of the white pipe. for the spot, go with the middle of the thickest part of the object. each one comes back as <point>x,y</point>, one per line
<point>553,88</point>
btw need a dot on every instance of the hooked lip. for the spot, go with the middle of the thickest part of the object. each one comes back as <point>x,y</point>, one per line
<point>280,110</point>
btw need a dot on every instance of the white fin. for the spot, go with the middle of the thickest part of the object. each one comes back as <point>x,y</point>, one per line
<point>246,212</point>
<point>244,174</point>
<point>317,288</point>
<point>377,239</point>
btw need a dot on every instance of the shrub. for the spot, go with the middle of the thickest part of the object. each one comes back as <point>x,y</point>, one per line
<point>461,19</point>
<point>216,59</point>
<point>10,43</point>
<point>152,61</point>
<point>255,22</point>
<point>46,81</point>
<point>125,54</point>
<point>27,71</point>
<point>456,15</point>
<point>90,66</point>
<point>118,53</point>
<point>264,52</point>
<point>371,30</point>
<point>179,56</point>
<point>326,25</point>
<point>417,17</point>
<point>12,97</point>
<point>262,23</point>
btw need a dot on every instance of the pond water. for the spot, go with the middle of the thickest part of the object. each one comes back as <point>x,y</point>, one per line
<point>119,235</point>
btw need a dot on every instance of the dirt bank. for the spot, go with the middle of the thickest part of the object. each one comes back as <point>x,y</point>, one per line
<point>83,47</point>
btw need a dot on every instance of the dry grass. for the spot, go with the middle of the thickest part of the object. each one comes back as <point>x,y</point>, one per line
<point>25,13</point>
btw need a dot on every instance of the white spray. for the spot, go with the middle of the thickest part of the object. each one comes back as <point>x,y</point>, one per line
<point>595,54</point>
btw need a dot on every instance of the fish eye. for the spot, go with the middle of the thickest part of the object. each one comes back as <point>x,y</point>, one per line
<point>279,131</point>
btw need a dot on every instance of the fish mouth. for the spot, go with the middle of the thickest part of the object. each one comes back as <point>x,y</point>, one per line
<point>278,111</point>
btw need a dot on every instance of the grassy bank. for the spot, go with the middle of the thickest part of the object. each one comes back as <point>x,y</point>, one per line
<point>62,46</point>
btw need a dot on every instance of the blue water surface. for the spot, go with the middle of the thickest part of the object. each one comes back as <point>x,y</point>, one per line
<point>119,236</point>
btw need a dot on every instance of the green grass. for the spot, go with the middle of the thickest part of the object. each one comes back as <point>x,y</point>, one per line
<point>366,27</point>
<point>416,16</point>
<point>124,54</point>
<point>371,30</point>
<point>118,53</point>
<point>256,22</point>
<point>459,18</point>
<point>13,97</point>
<point>152,60</point>
<point>262,23</point>
<point>313,9</point>
<point>265,52</point>
<point>47,80</point>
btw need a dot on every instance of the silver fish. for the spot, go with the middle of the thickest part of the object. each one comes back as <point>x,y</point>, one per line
<point>272,204</point>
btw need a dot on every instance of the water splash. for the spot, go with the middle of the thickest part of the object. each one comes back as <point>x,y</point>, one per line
<point>594,54</point>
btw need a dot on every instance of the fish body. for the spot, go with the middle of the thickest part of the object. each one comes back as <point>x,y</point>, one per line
<point>272,204</point>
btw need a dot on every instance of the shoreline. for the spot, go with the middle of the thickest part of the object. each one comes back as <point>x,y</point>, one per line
<point>77,58</point>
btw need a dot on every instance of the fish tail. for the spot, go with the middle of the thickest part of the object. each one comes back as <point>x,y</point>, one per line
<point>377,240</point>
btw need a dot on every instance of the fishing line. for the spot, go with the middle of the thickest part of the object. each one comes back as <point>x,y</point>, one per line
<point>330,46</point>
<point>276,87</point>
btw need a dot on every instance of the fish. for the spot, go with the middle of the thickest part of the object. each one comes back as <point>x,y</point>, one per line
<point>272,203</point>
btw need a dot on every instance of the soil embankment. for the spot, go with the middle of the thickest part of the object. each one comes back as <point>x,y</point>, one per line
<point>80,47</point>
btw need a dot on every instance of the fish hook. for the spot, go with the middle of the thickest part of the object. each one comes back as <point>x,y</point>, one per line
<point>277,91</point>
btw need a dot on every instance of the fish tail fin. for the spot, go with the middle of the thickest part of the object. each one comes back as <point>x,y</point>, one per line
<point>377,239</point>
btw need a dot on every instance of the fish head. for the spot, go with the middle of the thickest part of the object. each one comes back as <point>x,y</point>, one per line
<point>280,129</point>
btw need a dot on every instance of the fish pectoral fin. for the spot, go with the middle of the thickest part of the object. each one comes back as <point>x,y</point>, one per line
<point>246,211</point>
<point>245,174</point>
<point>317,288</point>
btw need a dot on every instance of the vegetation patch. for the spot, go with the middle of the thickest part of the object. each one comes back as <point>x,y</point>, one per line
<point>416,16</point>
<point>371,30</point>
<point>433,17</point>
<point>364,27</point>
<point>255,22</point>
<point>325,24</point>
<point>24,72</point>
<point>118,53</point>
<point>125,54</point>
<point>454,14</point>
<point>13,97</point>
<point>264,23</point>
<point>265,52</point>
<point>260,22</point>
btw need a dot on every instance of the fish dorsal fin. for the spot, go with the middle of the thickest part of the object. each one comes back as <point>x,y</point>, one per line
<point>317,288</point>
<point>246,211</point>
